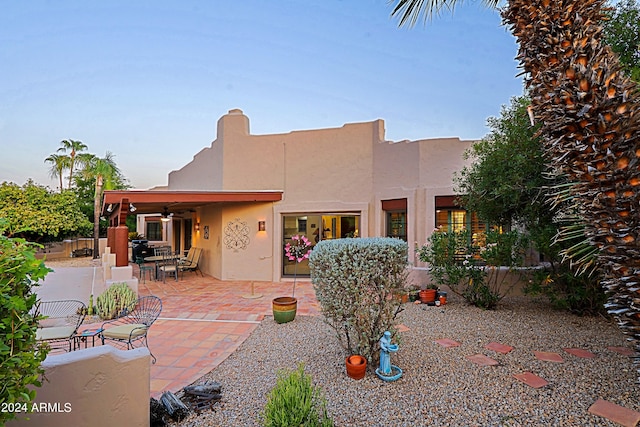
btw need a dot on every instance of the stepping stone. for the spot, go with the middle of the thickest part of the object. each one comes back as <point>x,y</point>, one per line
<point>531,380</point>
<point>446,342</point>
<point>580,353</point>
<point>402,328</point>
<point>500,348</point>
<point>483,360</point>
<point>548,356</point>
<point>616,413</point>
<point>625,351</point>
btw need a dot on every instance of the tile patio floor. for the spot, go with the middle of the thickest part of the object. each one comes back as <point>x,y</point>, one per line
<point>204,320</point>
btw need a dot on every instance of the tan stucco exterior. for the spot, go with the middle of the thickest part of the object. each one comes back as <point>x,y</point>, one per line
<point>345,170</point>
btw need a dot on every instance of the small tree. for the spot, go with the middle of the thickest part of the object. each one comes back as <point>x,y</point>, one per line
<point>20,354</point>
<point>354,281</point>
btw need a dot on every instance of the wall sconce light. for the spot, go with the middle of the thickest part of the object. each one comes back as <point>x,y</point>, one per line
<point>262,226</point>
<point>197,226</point>
<point>110,208</point>
<point>132,208</point>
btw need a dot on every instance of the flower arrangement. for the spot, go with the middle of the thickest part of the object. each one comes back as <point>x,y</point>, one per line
<point>297,250</point>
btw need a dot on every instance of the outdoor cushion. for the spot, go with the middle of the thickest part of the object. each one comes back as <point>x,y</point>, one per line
<point>123,332</point>
<point>55,333</point>
<point>53,322</point>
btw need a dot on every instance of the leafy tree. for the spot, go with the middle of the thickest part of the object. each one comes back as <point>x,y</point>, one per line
<point>622,33</point>
<point>73,148</point>
<point>20,354</point>
<point>106,176</point>
<point>36,213</point>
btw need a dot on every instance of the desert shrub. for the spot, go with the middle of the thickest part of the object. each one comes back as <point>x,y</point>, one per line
<point>20,354</point>
<point>114,300</point>
<point>295,401</point>
<point>476,269</point>
<point>354,281</point>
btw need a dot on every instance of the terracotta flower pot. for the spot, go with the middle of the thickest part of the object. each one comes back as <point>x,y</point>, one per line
<point>356,366</point>
<point>284,309</point>
<point>427,296</point>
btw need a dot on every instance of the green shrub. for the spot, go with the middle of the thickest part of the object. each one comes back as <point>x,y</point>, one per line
<point>295,401</point>
<point>114,300</point>
<point>354,281</point>
<point>20,354</point>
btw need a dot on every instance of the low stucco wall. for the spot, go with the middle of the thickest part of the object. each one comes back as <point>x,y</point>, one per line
<point>99,386</point>
<point>515,281</point>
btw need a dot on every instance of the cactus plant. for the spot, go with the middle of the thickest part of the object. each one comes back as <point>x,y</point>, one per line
<point>114,300</point>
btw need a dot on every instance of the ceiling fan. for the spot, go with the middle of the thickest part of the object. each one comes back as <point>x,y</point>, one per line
<point>166,216</point>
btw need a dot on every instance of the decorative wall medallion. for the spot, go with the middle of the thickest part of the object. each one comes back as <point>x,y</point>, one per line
<point>236,235</point>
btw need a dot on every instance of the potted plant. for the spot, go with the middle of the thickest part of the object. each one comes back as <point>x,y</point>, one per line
<point>428,294</point>
<point>284,308</point>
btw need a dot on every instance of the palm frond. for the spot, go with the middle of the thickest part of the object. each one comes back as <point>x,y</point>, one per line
<point>410,11</point>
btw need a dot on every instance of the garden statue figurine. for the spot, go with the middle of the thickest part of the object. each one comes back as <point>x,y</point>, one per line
<point>387,371</point>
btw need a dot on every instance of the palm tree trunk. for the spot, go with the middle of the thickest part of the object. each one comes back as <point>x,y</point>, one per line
<point>96,217</point>
<point>590,117</point>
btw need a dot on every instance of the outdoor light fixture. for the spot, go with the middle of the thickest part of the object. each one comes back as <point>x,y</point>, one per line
<point>197,226</point>
<point>132,208</point>
<point>262,226</point>
<point>110,208</point>
<point>166,216</point>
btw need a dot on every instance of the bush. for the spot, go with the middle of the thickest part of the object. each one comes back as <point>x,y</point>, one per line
<point>354,281</point>
<point>114,300</point>
<point>295,401</point>
<point>475,269</point>
<point>20,354</point>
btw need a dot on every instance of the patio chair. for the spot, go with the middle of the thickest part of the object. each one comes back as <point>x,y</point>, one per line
<point>134,324</point>
<point>144,269</point>
<point>191,264</point>
<point>60,327</point>
<point>168,265</point>
<point>162,250</point>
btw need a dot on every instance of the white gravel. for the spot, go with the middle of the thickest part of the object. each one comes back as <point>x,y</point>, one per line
<point>440,387</point>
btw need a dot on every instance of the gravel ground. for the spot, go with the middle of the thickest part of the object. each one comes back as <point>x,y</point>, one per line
<point>71,262</point>
<point>439,386</point>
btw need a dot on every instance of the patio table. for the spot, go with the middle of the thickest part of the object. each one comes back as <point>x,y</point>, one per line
<point>158,258</point>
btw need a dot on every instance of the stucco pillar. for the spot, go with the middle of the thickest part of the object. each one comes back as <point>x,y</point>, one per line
<point>121,245</point>
<point>111,238</point>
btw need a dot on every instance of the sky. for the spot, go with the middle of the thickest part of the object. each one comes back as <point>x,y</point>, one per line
<point>148,80</point>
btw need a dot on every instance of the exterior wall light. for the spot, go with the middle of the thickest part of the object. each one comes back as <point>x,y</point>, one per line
<point>262,226</point>
<point>197,226</point>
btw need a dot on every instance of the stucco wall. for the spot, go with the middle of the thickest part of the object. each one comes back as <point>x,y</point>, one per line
<point>99,386</point>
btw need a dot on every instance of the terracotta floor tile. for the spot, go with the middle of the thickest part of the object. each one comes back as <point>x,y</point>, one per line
<point>625,351</point>
<point>500,348</point>
<point>616,413</point>
<point>548,356</point>
<point>446,342</point>
<point>483,360</point>
<point>531,380</point>
<point>578,352</point>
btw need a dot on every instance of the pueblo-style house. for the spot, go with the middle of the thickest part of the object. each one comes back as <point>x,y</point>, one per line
<point>244,196</point>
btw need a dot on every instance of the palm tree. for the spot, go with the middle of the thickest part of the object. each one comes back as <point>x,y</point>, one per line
<point>58,165</point>
<point>107,176</point>
<point>74,148</point>
<point>589,113</point>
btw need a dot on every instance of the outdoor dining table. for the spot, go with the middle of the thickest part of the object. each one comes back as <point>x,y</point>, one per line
<point>158,258</point>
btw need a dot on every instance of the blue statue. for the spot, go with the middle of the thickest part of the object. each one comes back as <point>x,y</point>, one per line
<point>387,371</point>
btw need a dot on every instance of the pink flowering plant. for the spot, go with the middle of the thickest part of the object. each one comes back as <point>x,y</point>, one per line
<point>297,250</point>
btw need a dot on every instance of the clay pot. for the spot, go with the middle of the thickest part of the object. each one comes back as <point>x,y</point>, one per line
<point>427,296</point>
<point>356,366</point>
<point>284,309</point>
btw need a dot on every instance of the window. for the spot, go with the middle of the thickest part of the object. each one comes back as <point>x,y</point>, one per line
<point>451,217</point>
<point>153,230</point>
<point>315,227</point>
<point>396,213</point>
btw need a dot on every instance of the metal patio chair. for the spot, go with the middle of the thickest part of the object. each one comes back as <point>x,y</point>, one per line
<point>60,327</point>
<point>134,324</point>
<point>191,264</point>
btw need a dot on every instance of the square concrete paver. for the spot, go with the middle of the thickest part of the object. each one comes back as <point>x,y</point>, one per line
<point>548,356</point>
<point>446,342</point>
<point>616,413</point>
<point>625,351</point>
<point>483,360</point>
<point>578,352</point>
<point>500,348</point>
<point>531,380</point>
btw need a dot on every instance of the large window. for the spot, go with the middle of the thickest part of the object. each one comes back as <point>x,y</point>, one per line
<point>316,227</point>
<point>153,230</point>
<point>451,217</point>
